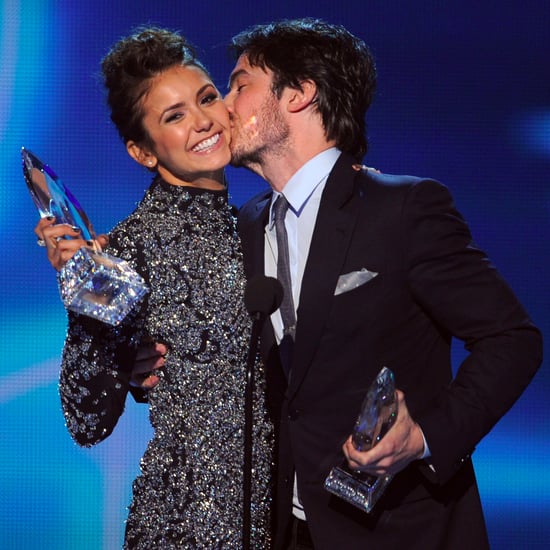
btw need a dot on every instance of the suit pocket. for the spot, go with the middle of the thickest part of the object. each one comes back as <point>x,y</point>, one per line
<point>350,281</point>
<point>372,302</point>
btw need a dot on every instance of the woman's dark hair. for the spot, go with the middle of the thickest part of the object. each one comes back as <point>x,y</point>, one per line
<point>128,69</point>
<point>339,63</point>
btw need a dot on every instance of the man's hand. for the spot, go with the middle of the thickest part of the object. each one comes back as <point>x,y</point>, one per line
<point>402,444</point>
<point>150,357</point>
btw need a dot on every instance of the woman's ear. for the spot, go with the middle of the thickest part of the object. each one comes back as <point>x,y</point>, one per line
<point>141,155</point>
<point>299,99</point>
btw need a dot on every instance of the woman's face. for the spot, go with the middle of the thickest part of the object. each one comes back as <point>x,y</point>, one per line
<point>188,126</point>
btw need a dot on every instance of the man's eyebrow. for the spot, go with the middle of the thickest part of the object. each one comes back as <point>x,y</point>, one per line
<point>234,76</point>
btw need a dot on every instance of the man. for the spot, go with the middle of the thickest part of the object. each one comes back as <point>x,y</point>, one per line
<point>297,100</point>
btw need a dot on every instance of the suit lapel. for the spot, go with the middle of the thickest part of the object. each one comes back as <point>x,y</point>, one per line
<point>252,221</point>
<point>334,227</point>
<point>251,230</point>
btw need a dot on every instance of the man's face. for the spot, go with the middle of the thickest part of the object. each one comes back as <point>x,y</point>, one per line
<point>258,127</point>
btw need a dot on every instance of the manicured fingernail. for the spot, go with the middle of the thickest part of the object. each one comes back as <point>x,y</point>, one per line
<point>50,218</point>
<point>90,243</point>
<point>75,229</point>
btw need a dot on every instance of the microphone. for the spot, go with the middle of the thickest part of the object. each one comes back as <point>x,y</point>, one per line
<point>262,296</point>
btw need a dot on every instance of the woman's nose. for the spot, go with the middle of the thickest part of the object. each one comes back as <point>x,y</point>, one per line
<point>203,121</point>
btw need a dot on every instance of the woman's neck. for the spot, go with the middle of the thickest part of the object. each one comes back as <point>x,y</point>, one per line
<point>213,181</point>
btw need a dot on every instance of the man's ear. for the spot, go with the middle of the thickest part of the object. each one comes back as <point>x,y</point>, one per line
<point>300,99</point>
<point>141,155</point>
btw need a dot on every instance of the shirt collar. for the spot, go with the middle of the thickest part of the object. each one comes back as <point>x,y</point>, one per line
<point>301,185</point>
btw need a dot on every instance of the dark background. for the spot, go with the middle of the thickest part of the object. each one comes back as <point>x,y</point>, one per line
<point>463,96</point>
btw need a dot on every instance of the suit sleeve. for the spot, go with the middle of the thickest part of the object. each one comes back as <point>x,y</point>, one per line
<point>457,285</point>
<point>95,369</point>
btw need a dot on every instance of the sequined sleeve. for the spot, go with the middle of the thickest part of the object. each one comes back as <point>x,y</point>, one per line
<point>95,371</point>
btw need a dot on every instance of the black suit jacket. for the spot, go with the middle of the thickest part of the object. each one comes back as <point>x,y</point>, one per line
<point>432,284</point>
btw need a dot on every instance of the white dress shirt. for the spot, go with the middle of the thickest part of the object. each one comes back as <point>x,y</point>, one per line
<point>303,192</point>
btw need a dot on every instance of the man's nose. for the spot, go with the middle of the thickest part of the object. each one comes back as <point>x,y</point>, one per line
<point>228,101</point>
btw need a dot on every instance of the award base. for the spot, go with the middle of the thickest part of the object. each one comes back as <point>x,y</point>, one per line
<point>100,286</point>
<point>360,489</point>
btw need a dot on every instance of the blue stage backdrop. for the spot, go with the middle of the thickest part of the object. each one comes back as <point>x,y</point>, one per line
<point>463,96</point>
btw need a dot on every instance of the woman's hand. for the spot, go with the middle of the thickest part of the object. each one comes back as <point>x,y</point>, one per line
<point>59,247</point>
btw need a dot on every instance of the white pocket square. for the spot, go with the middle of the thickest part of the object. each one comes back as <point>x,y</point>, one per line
<point>352,280</point>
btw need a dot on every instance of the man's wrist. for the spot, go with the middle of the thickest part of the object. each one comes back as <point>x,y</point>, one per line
<point>425,453</point>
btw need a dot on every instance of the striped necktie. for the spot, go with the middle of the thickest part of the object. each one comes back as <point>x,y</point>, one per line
<point>288,313</point>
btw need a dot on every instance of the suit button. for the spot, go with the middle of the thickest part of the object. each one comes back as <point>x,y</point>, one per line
<point>293,414</point>
<point>460,462</point>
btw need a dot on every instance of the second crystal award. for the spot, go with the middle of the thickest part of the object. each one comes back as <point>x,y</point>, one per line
<point>378,413</point>
<point>91,283</point>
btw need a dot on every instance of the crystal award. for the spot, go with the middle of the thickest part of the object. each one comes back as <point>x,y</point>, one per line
<point>91,283</point>
<point>378,413</point>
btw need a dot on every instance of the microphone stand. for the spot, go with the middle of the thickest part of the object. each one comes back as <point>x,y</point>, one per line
<point>263,295</point>
<point>257,323</point>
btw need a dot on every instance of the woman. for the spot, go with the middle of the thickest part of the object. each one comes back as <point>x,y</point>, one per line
<point>182,239</point>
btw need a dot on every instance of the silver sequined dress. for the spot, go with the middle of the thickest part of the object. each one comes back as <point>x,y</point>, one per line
<point>189,495</point>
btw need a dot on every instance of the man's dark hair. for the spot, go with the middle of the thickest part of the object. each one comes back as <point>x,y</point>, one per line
<point>339,63</point>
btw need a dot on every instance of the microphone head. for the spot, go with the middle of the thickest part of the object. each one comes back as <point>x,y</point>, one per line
<point>263,295</point>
